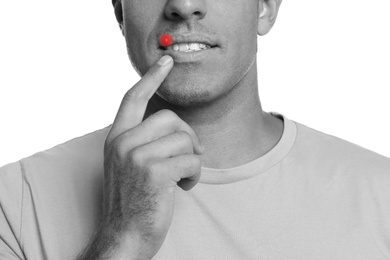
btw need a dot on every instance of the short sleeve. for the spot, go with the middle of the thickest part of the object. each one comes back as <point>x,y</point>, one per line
<point>11,192</point>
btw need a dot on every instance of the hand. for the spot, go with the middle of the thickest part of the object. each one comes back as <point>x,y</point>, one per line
<point>143,163</point>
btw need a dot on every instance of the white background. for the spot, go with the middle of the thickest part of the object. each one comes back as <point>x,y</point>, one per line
<point>64,70</point>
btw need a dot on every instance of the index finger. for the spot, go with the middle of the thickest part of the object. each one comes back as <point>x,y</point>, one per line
<point>134,103</point>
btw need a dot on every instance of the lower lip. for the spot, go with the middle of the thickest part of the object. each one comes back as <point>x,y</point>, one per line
<point>193,56</point>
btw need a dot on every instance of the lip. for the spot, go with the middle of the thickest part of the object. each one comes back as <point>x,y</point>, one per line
<point>194,56</point>
<point>199,38</point>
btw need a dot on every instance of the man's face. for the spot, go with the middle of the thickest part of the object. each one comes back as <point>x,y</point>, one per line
<point>202,76</point>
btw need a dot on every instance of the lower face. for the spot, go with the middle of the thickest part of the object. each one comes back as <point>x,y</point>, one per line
<point>202,76</point>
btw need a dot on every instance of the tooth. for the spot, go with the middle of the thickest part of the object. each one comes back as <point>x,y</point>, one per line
<point>188,47</point>
<point>183,47</point>
<point>194,46</point>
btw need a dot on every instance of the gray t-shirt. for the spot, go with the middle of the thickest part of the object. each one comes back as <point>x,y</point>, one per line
<point>312,196</point>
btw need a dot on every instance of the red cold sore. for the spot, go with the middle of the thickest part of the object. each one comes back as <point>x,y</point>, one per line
<point>166,40</point>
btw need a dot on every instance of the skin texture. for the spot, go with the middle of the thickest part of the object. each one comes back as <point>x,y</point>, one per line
<point>223,107</point>
<point>155,142</point>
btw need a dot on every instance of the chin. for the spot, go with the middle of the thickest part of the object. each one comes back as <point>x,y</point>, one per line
<point>186,87</point>
<point>186,94</point>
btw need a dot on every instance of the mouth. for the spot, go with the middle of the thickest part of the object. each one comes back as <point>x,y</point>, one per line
<point>192,48</point>
<point>184,53</point>
<point>188,47</point>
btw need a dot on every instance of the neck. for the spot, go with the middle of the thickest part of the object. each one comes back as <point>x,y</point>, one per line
<point>233,129</point>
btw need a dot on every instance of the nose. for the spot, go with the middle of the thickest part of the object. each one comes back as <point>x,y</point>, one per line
<point>185,9</point>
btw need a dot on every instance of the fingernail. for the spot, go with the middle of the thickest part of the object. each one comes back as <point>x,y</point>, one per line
<point>165,60</point>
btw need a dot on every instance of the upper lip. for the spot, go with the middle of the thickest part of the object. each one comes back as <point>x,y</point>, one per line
<point>199,38</point>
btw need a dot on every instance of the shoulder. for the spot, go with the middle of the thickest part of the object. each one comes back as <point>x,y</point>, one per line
<point>333,149</point>
<point>77,152</point>
<point>59,188</point>
<point>80,155</point>
<point>70,156</point>
<point>344,173</point>
<point>328,160</point>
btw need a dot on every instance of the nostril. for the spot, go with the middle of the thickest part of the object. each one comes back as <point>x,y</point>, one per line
<point>175,15</point>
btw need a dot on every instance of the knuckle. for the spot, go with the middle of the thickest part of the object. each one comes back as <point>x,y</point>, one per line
<point>115,147</point>
<point>195,161</point>
<point>130,95</point>
<point>168,115</point>
<point>153,170</point>
<point>120,147</point>
<point>136,157</point>
<point>183,136</point>
<point>133,94</point>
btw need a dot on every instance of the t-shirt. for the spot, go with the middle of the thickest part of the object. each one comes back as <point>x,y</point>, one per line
<point>312,196</point>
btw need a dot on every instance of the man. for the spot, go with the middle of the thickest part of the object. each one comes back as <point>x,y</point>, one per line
<point>264,187</point>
